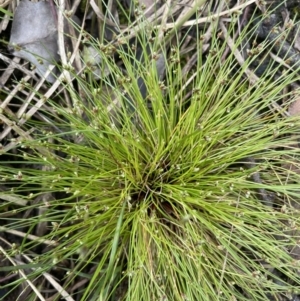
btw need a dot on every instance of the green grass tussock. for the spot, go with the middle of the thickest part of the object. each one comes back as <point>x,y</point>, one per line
<point>155,196</point>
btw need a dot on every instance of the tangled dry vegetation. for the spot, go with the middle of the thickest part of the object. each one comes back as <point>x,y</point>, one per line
<point>92,44</point>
